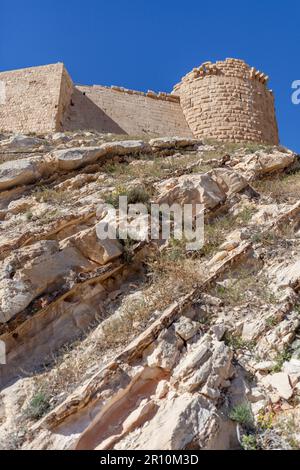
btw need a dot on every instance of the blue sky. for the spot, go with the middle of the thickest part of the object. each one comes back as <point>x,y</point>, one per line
<point>151,44</point>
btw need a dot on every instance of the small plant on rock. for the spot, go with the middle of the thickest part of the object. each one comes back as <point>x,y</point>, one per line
<point>242,414</point>
<point>29,215</point>
<point>282,357</point>
<point>134,196</point>
<point>128,250</point>
<point>249,442</point>
<point>265,419</point>
<point>138,195</point>
<point>237,342</point>
<point>246,215</point>
<point>271,321</point>
<point>38,406</point>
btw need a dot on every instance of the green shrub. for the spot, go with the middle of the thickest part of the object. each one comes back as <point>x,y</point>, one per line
<point>242,414</point>
<point>128,251</point>
<point>38,406</point>
<point>282,357</point>
<point>134,196</point>
<point>138,194</point>
<point>249,442</point>
<point>236,342</point>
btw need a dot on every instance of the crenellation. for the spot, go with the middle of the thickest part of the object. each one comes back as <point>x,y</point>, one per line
<point>150,93</point>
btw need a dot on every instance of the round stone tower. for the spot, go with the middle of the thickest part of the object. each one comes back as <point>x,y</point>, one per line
<point>228,101</point>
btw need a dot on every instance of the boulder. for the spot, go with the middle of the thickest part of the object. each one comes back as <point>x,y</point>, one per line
<point>73,158</point>
<point>277,160</point>
<point>195,189</point>
<point>166,350</point>
<point>292,367</point>
<point>186,328</point>
<point>125,147</point>
<point>192,361</point>
<point>205,367</point>
<point>19,172</point>
<point>281,383</point>
<point>94,249</point>
<point>172,142</point>
<point>211,195</point>
<point>210,189</point>
<point>21,143</point>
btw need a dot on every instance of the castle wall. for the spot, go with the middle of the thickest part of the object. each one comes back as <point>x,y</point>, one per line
<point>124,111</point>
<point>32,98</point>
<point>228,101</point>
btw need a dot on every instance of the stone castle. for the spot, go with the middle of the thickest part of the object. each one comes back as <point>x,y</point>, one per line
<point>226,101</point>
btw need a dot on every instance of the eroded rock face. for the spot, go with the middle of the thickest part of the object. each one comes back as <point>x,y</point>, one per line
<point>146,374</point>
<point>285,274</point>
<point>44,266</point>
<point>181,420</point>
<point>73,158</point>
<point>185,413</point>
<point>32,271</point>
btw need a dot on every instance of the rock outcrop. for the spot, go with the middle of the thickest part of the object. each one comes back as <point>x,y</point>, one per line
<point>147,345</point>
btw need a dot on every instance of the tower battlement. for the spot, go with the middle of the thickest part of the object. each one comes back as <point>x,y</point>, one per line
<point>228,101</point>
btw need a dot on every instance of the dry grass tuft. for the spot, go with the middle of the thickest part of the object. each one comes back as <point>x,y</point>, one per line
<point>282,188</point>
<point>54,196</point>
<point>246,286</point>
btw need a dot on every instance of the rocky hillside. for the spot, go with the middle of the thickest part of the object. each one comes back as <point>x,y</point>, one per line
<point>114,345</point>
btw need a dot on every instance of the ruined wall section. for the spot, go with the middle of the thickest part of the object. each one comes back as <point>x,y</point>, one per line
<point>32,97</point>
<point>228,101</point>
<point>124,111</point>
